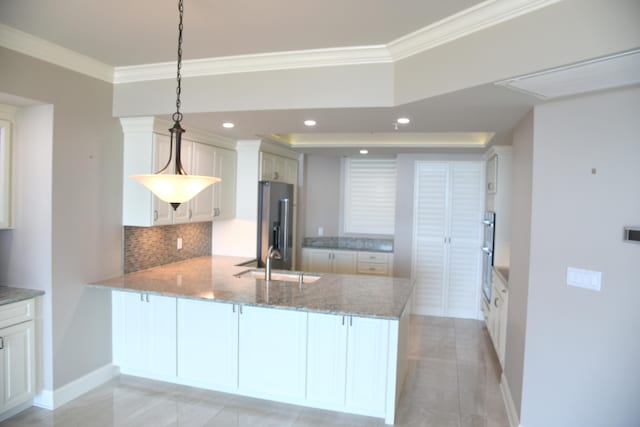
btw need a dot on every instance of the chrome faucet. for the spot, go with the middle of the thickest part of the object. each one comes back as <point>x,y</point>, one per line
<point>272,254</point>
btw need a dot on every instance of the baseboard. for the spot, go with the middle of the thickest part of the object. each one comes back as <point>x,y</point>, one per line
<point>512,414</point>
<point>51,400</point>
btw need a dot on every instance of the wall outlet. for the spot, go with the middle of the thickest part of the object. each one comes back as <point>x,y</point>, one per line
<point>179,243</point>
<point>585,279</point>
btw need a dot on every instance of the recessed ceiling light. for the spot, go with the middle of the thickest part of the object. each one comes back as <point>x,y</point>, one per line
<point>309,122</point>
<point>228,125</point>
<point>403,120</point>
<point>364,151</point>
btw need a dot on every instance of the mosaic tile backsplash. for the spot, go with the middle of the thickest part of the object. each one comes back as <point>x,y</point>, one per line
<point>146,247</point>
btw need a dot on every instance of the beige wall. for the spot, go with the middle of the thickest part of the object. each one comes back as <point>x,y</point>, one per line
<point>522,157</point>
<point>86,209</point>
<point>321,194</point>
<point>582,347</point>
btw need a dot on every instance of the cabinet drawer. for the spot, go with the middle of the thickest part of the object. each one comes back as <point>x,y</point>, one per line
<point>17,312</point>
<point>372,257</point>
<point>372,268</point>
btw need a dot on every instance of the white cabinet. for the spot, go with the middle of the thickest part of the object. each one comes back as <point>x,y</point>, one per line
<point>146,150</point>
<point>272,352</point>
<point>346,262</point>
<point>5,174</point>
<point>208,343</point>
<point>329,261</point>
<point>144,331</point>
<point>224,193</point>
<point>497,317</point>
<point>278,168</point>
<point>447,238</point>
<point>17,354</point>
<point>377,263</point>
<point>347,362</point>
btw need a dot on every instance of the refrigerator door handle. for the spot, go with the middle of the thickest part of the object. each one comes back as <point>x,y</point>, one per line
<point>284,219</point>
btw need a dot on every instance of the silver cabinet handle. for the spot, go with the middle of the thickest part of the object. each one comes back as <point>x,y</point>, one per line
<point>147,297</point>
<point>233,308</point>
<point>495,302</point>
<point>190,214</point>
<point>240,308</point>
<point>1,343</point>
<point>155,215</point>
<point>142,297</point>
<point>342,320</point>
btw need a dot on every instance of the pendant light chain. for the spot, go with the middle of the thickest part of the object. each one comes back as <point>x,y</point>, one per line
<point>177,116</point>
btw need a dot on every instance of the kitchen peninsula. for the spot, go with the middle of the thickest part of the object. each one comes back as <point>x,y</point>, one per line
<point>338,342</point>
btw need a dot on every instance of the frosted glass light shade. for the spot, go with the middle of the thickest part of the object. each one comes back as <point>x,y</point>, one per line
<point>175,188</point>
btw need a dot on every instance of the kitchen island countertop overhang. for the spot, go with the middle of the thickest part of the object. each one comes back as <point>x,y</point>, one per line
<point>214,278</point>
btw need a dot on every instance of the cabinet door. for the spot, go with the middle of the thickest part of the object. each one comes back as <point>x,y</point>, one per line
<point>464,268</point>
<point>208,343</point>
<point>204,163</point>
<point>272,352</point>
<point>162,211</point>
<point>367,349</point>
<point>17,361</point>
<point>225,191</point>
<point>317,260</point>
<point>267,167</point>
<point>345,262</point>
<point>291,171</point>
<point>430,225</point>
<point>327,358</point>
<point>149,328</point>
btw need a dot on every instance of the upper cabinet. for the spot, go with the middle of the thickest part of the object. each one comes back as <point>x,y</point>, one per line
<point>6,119</point>
<point>278,168</point>
<point>146,150</point>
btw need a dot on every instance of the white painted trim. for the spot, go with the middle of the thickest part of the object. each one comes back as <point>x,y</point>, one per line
<point>55,54</point>
<point>464,23</point>
<point>51,400</point>
<point>8,112</point>
<point>354,55</point>
<point>510,407</point>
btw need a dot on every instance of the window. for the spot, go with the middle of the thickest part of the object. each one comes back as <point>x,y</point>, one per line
<point>369,195</point>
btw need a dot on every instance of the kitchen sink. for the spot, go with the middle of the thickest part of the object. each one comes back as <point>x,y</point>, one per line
<point>285,276</point>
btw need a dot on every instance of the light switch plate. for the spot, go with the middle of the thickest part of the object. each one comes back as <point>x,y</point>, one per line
<point>586,279</point>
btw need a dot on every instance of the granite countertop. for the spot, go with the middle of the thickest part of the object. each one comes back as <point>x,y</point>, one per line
<point>212,278</point>
<point>10,295</point>
<point>503,274</point>
<point>349,243</point>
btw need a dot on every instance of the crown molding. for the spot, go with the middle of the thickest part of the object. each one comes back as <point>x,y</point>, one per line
<point>358,55</point>
<point>464,23</point>
<point>36,47</point>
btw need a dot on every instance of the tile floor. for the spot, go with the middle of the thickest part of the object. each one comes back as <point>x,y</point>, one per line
<point>453,381</point>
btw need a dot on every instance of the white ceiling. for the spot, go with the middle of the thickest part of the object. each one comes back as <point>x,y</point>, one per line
<point>125,33</point>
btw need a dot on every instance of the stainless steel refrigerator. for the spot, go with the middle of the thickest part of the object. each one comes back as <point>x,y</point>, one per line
<point>275,222</point>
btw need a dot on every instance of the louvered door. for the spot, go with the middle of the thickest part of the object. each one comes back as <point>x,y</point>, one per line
<point>447,237</point>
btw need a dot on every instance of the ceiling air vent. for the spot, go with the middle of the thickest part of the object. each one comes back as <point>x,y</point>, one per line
<point>608,72</point>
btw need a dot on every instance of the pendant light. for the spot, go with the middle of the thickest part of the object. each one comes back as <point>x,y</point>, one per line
<point>178,187</point>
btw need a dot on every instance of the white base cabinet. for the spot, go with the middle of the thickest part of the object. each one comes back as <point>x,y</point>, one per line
<point>347,362</point>
<point>272,352</point>
<point>144,328</point>
<point>343,363</point>
<point>17,354</point>
<point>207,338</point>
<point>496,317</point>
